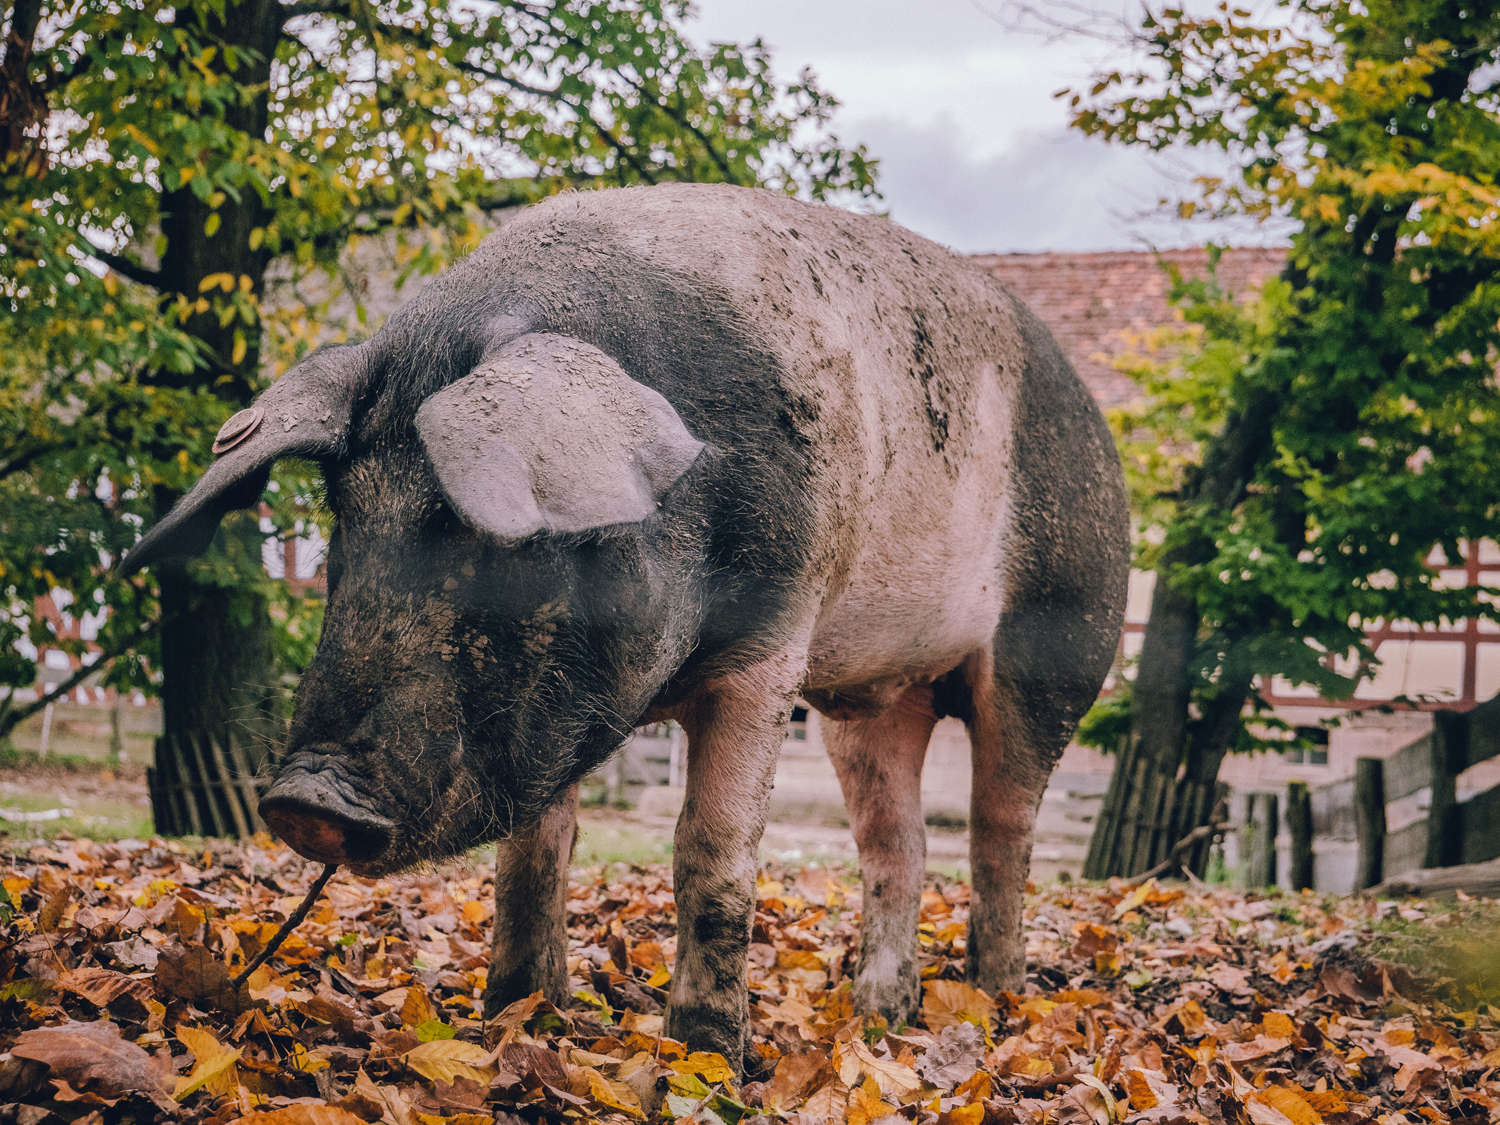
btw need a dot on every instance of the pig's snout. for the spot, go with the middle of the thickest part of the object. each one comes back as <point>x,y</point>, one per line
<point>309,811</point>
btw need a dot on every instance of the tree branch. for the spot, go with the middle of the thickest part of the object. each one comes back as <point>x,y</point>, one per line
<point>128,269</point>
<point>15,716</point>
<point>21,460</point>
<point>314,8</point>
<point>395,31</point>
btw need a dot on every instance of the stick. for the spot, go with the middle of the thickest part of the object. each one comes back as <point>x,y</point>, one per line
<point>288,926</point>
<point>1174,857</point>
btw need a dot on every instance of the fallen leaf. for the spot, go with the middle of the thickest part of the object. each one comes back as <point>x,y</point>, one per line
<point>955,1057</point>
<point>946,1002</point>
<point>394,1108</point>
<point>193,973</point>
<point>304,1115</point>
<point>443,1060</point>
<point>891,1077</point>
<point>94,1055</point>
<point>866,1105</point>
<point>102,987</point>
<point>215,1063</point>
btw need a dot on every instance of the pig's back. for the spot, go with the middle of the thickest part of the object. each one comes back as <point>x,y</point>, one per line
<point>860,382</point>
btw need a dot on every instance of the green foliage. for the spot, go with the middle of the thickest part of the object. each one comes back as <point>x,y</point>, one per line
<point>1363,376</point>
<point>165,160</point>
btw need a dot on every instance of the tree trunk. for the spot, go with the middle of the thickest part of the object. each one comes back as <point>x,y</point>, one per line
<point>1150,807</point>
<point>219,678</point>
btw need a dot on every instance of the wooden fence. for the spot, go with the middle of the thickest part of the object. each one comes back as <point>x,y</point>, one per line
<point>206,787</point>
<point>1360,809</point>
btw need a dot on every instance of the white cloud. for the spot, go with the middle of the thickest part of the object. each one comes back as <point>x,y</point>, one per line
<point>975,151</point>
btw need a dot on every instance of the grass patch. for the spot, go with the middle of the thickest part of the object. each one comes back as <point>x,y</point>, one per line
<point>602,843</point>
<point>1454,954</point>
<point>13,758</point>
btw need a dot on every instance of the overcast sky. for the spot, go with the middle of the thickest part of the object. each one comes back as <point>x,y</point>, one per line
<point>975,152</point>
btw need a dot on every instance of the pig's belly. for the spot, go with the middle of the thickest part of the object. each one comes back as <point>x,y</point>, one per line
<point>906,616</point>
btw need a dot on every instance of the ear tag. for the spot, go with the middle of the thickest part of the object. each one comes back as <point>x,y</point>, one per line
<point>237,429</point>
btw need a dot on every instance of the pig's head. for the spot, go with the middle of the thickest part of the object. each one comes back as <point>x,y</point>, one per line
<point>498,616</point>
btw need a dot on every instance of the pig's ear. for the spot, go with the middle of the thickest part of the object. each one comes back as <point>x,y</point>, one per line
<point>305,413</point>
<point>549,434</point>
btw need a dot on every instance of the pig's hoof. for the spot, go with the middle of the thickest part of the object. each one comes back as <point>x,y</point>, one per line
<point>504,989</point>
<point>898,1000</point>
<point>704,1028</point>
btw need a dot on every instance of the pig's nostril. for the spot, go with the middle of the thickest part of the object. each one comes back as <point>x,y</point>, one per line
<point>315,819</point>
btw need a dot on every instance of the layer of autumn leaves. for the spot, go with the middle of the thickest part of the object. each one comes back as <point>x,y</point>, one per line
<point>1144,1004</point>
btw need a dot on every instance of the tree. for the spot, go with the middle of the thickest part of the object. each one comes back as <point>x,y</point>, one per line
<point>1296,457</point>
<point>163,164</point>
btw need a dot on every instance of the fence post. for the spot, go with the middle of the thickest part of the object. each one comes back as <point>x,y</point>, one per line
<point>1450,749</point>
<point>1369,821</point>
<point>117,730</point>
<point>1299,825</point>
<point>1260,832</point>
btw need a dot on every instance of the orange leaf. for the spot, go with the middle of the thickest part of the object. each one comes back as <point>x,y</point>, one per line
<point>947,1002</point>
<point>304,1115</point>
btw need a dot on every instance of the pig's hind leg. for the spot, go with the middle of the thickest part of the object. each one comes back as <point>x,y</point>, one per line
<point>879,765</point>
<point>530,946</point>
<point>1054,644</point>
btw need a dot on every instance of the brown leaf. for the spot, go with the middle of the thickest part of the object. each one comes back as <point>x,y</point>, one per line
<point>52,910</point>
<point>94,1055</point>
<point>395,1110</point>
<point>794,1075</point>
<point>1258,1048</point>
<point>416,1008</point>
<point>191,972</point>
<point>101,987</point>
<point>367,1109</point>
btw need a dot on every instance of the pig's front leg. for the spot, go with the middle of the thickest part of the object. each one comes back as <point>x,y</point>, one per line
<point>735,727</point>
<point>531,890</point>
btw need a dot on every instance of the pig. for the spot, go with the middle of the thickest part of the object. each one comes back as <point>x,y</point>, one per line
<point>690,452</point>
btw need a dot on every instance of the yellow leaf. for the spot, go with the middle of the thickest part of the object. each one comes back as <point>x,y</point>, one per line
<point>614,1095</point>
<point>211,227</point>
<point>443,1060</point>
<point>963,1115</point>
<point>707,1065</point>
<point>659,978</point>
<point>301,1059</point>
<point>215,1066</point>
<point>1290,1104</point>
<point>1138,896</point>
<point>1278,1025</point>
<point>948,1002</point>
<point>866,1105</point>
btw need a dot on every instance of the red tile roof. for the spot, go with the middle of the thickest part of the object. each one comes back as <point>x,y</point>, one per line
<point>1088,299</point>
